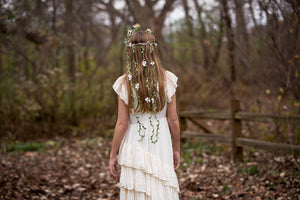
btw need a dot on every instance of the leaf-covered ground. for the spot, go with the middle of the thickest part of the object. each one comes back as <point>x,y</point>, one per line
<point>77,169</point>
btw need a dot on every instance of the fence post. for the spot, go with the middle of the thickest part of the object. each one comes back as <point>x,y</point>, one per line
<point>236,128</point>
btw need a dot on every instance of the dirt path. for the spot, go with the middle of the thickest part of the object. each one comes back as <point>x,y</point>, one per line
<point>77,169</point>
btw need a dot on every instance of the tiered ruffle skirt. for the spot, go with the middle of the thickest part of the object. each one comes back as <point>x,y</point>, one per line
<point>144,176</point>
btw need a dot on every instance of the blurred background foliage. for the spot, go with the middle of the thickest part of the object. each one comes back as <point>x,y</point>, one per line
<point>59,59</point>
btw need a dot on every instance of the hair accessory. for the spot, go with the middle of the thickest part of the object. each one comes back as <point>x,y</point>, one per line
<point>142,44</point>
<point>134,85</point>
<point>136,26</point>
<point>148,30</point>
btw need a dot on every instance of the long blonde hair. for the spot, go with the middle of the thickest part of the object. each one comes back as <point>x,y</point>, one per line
<point>150,78</point>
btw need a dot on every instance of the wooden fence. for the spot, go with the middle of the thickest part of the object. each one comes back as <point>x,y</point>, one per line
<point>238,142</point>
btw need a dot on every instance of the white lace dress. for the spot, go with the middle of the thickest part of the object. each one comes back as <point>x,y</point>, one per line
<point>147,169</point>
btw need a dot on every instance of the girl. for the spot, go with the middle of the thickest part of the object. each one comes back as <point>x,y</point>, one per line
<point>147,124</point>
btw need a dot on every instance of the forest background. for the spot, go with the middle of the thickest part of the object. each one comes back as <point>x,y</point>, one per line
<point>59,59</point>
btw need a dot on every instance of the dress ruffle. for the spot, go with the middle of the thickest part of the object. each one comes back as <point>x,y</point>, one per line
<point>171,85</point>
<point>170,89</point>
<point>144,174</point>
<point>120,89</point>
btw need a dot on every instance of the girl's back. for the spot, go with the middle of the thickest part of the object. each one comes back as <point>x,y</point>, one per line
<point>147,123</point>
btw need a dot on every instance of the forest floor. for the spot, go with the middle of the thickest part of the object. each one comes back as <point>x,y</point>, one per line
<point>77,169</point>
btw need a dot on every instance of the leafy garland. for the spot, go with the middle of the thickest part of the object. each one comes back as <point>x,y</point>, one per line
<point>151,96</point>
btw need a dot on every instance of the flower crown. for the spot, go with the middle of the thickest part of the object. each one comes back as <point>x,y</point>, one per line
<point>130,32</point>
<point>150,99</point>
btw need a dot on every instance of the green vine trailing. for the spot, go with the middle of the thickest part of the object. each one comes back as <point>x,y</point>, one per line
<point>135,87</point>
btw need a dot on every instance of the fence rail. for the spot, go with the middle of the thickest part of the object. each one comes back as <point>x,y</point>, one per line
<point>265,117</point>
<point>219,115</point>
<point>238,142</point>
<point>246,142</point>
<point>247,116</point>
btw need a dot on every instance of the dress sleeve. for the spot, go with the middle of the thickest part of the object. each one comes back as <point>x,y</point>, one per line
<point>171,85</point>
<point>120,88</point>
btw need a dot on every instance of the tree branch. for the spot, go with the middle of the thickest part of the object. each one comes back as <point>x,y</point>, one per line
<point>165,10</point>
<point>33,36</point>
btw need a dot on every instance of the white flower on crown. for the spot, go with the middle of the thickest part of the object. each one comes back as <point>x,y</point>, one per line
<point>129,77</point>
<point>152,99</point>
<point>137,86</point>
<point>129,32</point>
<point>144,63</point>
<point>147,99</point>
<point>136,26</point>
<point>152,63</point>
<point>148,30</point>
<point>129,45</point>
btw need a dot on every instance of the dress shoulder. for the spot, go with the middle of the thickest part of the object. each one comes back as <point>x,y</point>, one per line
<point>120,88</point>
<point>171,85</point>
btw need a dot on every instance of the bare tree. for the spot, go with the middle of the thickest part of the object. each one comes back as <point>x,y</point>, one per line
<point>146,15</point>
<point>219,40</point>
<point>203,36</point>
<point>230,44</point>
<point>70,53</point>
<point>210,53</point>
<point>242,39</point>
<point>282,38</point>
<point>190,31</point>
<point>113,15</point>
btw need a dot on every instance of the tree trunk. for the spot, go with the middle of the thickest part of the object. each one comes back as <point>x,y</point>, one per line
<point>70,35</point>
<point>20,48</point>
<point>70,54</point>
<point>242,39</point>
<point>203,37</point>
<point>54,16</point>
<point>219,41</point>
<point>189,24</point>
<point>230,45</point>
<point>252,14</point>
<point>54,30</point>
<point>147,18</point>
